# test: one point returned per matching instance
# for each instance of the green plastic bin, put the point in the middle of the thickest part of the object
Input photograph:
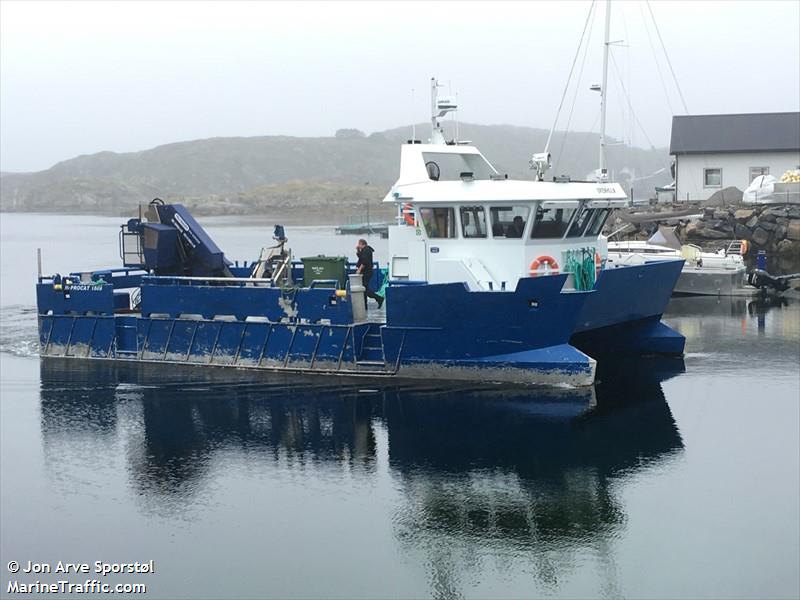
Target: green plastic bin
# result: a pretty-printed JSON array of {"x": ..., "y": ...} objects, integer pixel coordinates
[{"x": 324, "y": 267}]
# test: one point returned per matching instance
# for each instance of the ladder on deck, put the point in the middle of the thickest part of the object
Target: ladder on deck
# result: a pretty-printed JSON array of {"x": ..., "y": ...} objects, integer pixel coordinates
[{"x": 372, "y": 358}]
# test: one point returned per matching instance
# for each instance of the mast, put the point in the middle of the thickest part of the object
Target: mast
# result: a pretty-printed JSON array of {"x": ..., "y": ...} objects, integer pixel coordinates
[
  {"x": 436, "y": 131},
  {"x": 439, "y": 108},
  {"x": 603, "y": 171}
]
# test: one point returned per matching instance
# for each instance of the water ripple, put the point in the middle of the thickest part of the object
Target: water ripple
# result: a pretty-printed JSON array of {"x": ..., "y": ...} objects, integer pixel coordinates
[{"x": 18, "y": 331}]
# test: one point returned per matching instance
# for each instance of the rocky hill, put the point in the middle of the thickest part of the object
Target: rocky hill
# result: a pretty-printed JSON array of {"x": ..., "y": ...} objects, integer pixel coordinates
[{"x": 243, "y": 175}]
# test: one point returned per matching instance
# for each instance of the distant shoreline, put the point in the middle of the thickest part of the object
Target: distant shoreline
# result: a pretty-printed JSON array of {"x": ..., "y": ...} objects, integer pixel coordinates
[{"x": 331, "y": 215}]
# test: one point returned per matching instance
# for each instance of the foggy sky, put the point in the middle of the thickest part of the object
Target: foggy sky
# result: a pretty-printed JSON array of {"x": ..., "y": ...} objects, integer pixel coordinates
[{"x": 79, "y": 78}]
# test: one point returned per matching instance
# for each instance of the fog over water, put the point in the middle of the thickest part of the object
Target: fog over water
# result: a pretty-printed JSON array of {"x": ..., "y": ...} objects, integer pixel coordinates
[{"x": 78, "y": 78}]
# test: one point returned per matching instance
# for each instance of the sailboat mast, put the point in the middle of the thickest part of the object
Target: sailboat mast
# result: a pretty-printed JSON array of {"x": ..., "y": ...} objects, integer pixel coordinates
[{"x": 603, "y": 171}]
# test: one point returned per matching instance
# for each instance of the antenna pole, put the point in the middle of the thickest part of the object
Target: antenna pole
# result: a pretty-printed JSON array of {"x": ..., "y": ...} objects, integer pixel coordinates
[
  {"x": 413, "y": 119},
  {"x": 455, "y": 116},
  {"x": 434, "y": 94},
  {"x": 603, "y": 171}
]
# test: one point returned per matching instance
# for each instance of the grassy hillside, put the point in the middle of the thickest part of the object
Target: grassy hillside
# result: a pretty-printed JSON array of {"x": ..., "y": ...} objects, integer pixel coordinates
[{"x": 243, "y": 175}]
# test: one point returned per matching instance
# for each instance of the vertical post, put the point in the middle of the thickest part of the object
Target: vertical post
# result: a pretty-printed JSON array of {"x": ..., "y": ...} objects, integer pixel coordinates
[
  {"x": 413, "y": 119},
  {"x": 761, "y": 260},
  {"x": 603, "y": 94},
  {"x": 39, "y": 262},
  {"x": 434, "y": 92}
]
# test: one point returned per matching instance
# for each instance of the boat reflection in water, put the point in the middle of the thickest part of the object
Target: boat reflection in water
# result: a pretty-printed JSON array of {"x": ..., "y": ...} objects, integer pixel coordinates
[{"x": 528, "y": 471}]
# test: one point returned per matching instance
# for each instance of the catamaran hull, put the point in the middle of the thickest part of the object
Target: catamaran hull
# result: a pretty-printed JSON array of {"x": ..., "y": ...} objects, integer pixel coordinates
[
  {"x": 432, "y": 331},
  {"x": 313, "y": 350},
  {"x": 623, "y": 316}
]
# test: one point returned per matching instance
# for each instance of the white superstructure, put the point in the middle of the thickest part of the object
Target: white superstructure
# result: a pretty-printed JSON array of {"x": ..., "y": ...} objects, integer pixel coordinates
[{"x": 459, "y": 220}]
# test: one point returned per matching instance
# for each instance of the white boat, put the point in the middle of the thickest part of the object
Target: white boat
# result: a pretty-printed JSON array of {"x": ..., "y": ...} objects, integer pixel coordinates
[{"x": 721, "y": 273}]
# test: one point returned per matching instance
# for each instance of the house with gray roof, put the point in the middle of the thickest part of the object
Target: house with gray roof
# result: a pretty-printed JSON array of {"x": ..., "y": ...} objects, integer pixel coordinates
[{"x": 714, "y": 152}]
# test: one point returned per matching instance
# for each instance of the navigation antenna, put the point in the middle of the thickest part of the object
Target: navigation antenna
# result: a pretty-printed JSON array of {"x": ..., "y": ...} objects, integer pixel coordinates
[
  {"x": 413, "y": 119},
  {"x": 439, "y": 108}
]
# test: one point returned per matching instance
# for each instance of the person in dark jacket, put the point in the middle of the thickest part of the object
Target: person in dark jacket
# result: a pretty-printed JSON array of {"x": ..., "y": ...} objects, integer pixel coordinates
[{"x": 364, "y": 266}]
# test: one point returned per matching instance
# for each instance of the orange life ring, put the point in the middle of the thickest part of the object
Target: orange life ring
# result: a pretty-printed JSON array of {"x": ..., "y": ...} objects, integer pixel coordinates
[
  {"x": 745, "y": 245},
  {"x": 547, "y": 261},
  {"x": 598, "y": 261},
  {"x": 408, "y": 214}
]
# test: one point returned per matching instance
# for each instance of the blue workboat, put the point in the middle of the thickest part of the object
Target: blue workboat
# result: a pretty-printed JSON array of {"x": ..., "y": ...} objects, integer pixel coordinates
[{"x": 489, "y": 279}]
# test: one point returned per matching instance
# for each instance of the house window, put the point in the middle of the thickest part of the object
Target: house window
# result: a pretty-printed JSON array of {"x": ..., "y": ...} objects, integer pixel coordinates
[
  {"x": 473, "y": 222},
  {"x": 439, "y": 222},
  {"x": 712, "y": 177},
  {"x": 756, "y": 171}
]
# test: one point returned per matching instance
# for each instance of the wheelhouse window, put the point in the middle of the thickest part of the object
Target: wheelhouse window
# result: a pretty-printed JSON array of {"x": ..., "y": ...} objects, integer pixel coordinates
[
  {"x": 449, "y": 166},
  {"x": 756, "y": 171},
  {"x": 439, "y": 222},
  {"x": 597, "y": 221},
  {"x": 551, "y": 222},
  {"x": 580, "y": 222},
  {"x": 473, "y": 222},
  {"x": 509, "y": 221},
  {"x": 712, "y": 177}
]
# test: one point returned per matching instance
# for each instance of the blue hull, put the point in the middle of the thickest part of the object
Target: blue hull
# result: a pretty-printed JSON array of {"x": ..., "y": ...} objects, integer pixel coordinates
[
  {"x": 442, "y": 331},
  {"x": 623, "y": 316},
  {"x": 537, "y": 334}
]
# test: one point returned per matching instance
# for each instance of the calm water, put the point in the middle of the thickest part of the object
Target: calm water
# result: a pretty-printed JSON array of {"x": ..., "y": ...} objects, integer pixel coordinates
[{"x": 668, "y": 479}]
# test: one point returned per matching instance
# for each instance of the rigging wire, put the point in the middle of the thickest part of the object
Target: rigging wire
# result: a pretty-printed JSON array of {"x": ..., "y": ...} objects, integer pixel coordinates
[
  {"x": 560, "y": 152},
  {"x": 633, "y": 114},
  {"x": 676, "y": 132},
  {"x": 655, "y": 60},
  {"x": 669, "y": 62},
  {"x": 569, "y": 77}
]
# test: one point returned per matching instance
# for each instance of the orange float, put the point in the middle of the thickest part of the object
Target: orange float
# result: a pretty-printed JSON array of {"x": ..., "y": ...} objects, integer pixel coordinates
[
  {"x": 408, "y": 214},
  {"x": 544, "y": 261}
]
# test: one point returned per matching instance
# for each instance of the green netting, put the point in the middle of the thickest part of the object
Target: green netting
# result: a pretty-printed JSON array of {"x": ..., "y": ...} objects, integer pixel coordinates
[
  {"x": 385, "y": 274},
  {"x": 581, "y": 264}
]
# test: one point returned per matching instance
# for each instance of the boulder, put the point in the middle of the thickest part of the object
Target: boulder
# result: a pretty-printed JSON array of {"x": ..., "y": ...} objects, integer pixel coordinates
[
  {"x": 721, "y": 213},
  {"x": 782, "y": 221},
  {"x": 752, "y": 221},
  {"x": 778, "y": 211},
  {"x": 768, "y": 225},
  {"x": 692, "y": 230},
  {"x": 768, "y": 216},
  {"x": 743, "y": 214},
  {"x": 713, "y": 234},
  {"x": 741, "y": 232},
  {"x": 780, "y": 232},
  {"x": 793, "y": 230},
  {"x": 788, "y": 248},
  {"x": 760, "y": 236},
  {"x": 793, "y": 212},
  {"x": 724, "y": 197}
]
